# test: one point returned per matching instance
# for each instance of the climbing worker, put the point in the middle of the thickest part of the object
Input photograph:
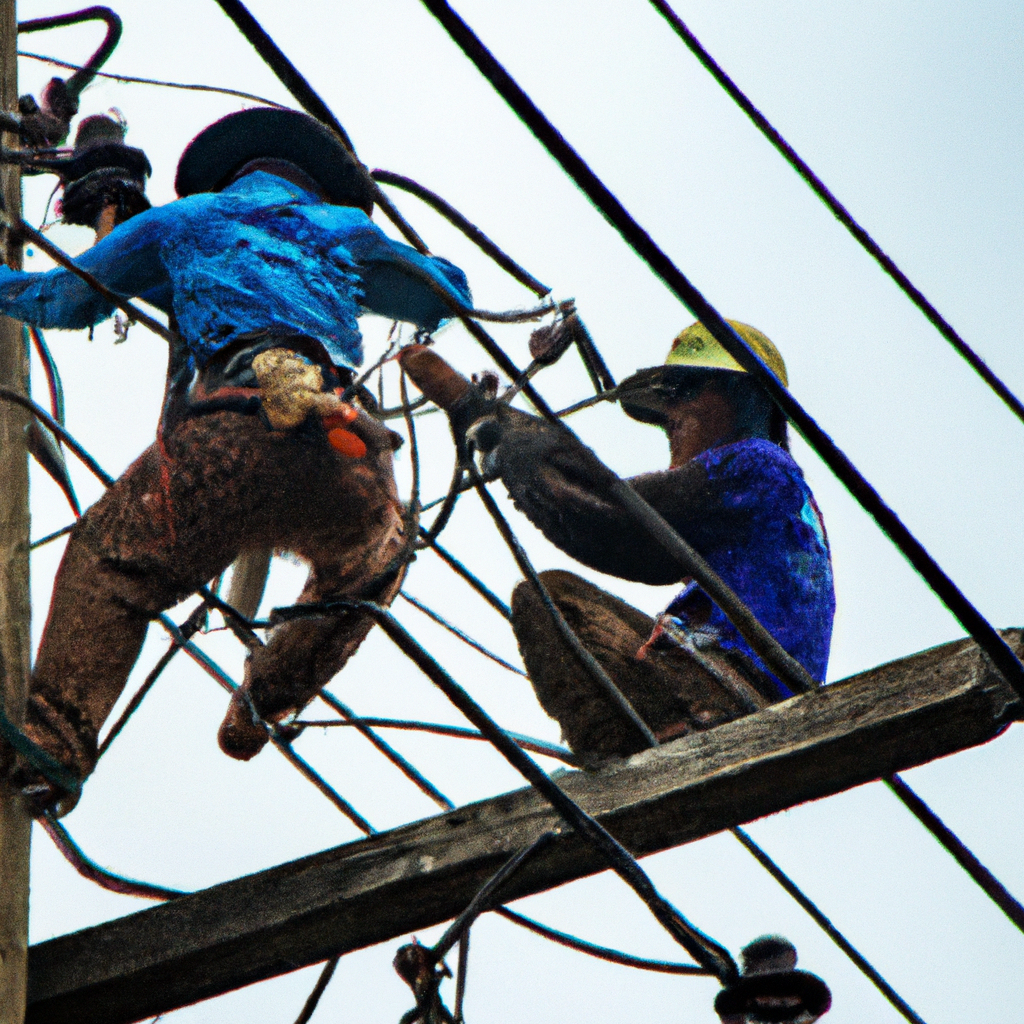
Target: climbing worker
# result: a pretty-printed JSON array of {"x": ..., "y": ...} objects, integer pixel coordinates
[
  {"x": 263, "y": 266},
  {"x": 732, "y": 490}
]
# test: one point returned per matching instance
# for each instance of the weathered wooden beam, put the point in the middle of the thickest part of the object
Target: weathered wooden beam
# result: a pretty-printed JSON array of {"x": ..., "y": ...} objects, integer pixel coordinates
[
  {"x": 15, "y": 612},
  {"x": 891, "y": 718}
]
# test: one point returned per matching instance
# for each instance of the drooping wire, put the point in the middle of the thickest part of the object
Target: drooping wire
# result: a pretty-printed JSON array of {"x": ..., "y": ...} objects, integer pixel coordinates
[
  {"x": 467, "y": 227},
  {"x": 455, "y": 631},
  {"x": 600, "y": 952},
  {"x": 839, "y": 211},
  {"x": 132, "y": 79},
  {"x": 89, "y": 869}
]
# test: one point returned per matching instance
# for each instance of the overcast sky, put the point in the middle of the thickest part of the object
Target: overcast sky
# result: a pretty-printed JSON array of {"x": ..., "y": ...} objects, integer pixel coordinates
[{"x": 912, "y": 112}]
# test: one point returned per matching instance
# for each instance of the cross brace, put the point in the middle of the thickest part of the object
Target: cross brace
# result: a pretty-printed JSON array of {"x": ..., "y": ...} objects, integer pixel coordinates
[{"x": 868, "y": 726}]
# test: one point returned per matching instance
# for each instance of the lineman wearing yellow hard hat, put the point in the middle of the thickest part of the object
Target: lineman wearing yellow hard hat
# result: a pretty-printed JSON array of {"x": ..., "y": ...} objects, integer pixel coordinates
[{"x": 732, "y": 490}]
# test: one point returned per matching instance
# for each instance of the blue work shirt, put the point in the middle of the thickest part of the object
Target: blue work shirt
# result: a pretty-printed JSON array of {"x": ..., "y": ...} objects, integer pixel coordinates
[
  {"x": 260, "y": 255},
  {"x": 773, "y": 552}
]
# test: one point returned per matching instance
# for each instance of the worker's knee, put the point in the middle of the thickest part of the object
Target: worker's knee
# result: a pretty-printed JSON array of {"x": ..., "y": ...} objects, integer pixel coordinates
[{"x": 557, "y": 582}]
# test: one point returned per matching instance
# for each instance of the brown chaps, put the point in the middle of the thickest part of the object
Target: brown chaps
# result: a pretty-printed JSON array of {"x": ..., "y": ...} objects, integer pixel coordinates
[
  {"x": 215, "y": 486},
  {"x": 674, "y": 691}
]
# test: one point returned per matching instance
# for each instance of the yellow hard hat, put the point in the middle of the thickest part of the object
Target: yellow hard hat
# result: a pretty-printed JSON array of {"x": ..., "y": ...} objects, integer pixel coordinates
[
  {"x": 696, "y": 346},
  {"x": 646, "y": 395}
]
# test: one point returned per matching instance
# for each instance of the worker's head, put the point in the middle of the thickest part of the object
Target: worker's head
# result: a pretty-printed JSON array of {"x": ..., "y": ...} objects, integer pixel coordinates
[
  {"x": 700, "y": 382},
  {"x": 104, "y": 180},
  {"x": 287, "y": 143}
]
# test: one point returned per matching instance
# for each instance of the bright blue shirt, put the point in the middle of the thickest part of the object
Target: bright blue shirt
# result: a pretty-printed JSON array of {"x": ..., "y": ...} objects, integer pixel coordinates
[
  {"x": 261, "y": 255},
  {"x": 774, "y": 554}
]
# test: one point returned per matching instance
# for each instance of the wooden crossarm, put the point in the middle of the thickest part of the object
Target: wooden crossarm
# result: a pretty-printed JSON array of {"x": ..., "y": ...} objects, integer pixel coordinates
[{"x": 888, "y": 719}]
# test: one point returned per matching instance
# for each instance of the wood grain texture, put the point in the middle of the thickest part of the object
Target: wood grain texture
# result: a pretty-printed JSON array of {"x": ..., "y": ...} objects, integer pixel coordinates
[
  {"x": 15, "y": 613},
  {"x": 896, "y": 716}
]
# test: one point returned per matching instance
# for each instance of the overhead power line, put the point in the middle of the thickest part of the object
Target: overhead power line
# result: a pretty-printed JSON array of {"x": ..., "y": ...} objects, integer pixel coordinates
[{"x": 839, "y": 211}]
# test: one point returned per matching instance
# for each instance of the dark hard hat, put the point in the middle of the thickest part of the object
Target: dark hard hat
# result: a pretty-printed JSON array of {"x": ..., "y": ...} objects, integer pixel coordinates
[{"x": 220, "y": 150}]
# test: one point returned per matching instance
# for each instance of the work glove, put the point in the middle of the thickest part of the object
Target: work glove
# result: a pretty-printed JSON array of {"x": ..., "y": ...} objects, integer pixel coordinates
[{"x": 467, "y": 403}]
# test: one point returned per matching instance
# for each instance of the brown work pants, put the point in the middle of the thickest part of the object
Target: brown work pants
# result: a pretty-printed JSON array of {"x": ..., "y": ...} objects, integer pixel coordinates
[
  {"x": 216, "y": 485},
  {"x": 670, "y": 689}
]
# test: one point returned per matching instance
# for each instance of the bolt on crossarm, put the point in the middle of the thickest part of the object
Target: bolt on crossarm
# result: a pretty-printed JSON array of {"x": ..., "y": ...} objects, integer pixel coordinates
[{"x": 15, "y": 823}]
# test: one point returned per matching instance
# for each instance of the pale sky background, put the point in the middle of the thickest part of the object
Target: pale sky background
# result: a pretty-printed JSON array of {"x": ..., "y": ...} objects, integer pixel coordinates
[{"x": 912, "y": 112}]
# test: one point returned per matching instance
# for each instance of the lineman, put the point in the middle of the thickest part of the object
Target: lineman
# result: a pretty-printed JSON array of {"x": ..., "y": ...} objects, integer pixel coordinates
[
  {"x": 263, "y": 265},
  {"x": 732, "y": 490}
]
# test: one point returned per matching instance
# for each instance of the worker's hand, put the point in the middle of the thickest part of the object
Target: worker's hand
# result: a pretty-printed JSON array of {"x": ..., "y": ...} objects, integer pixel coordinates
[{"x": 464, "y": 401}]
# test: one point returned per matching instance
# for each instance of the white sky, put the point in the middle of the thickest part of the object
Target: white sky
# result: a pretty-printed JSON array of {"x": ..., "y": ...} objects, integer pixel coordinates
[{"x": 912, "y": 112}]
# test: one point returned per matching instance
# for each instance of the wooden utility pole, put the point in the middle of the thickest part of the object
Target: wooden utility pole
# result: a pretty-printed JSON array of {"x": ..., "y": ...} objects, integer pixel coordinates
[{"x": 15, "y": 824}]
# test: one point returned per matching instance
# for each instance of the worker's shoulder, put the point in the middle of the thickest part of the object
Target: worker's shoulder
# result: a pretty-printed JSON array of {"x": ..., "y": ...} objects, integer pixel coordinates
[{"x": 752, "y": 458}]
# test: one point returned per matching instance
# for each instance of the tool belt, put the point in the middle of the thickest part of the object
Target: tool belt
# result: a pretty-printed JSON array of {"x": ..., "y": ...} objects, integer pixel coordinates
[{"x": 229, "y": 383}]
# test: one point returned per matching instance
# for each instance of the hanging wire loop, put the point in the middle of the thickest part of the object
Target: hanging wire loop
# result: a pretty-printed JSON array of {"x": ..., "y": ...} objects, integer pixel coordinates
[
  {"x": 87, "y": 72},
  {"x": 467, "y": 227}
]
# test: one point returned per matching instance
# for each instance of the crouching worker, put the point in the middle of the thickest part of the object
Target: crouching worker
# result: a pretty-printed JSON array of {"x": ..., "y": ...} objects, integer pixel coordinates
[
  {"x": 732, "y": 490},
  {"x": 264, "y": 265}
]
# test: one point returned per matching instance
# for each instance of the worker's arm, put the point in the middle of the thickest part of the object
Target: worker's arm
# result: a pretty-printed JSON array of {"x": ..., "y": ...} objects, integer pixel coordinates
[
  {"x": 127, "y": 261},
  {"x": 395, "y": 280},
  {"x": 556, "y": 482},
  {"x": 551, "y": 477}
]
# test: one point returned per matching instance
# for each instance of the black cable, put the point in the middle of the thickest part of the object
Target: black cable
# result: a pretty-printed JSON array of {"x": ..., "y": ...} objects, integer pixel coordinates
[
  {"x": 85, "y": 74},
  {"x": 826, "y": 925},
  {"x": 984, "y": 878},
  {"x": 455, "y": 631},
  {"x": 466, "y": 226},
  {"x": 580, "y": 653},
  {"x": 477, "y": 584},
  {"x": 318, "y": 990},
  {"x": 838, "y": 210},
  {"x": 487, "y": 894},
  {"x": 644, "y": 246}
]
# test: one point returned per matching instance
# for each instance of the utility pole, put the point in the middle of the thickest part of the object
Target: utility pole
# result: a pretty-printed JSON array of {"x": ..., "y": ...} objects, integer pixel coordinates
[{"x": 15, "y": 613}]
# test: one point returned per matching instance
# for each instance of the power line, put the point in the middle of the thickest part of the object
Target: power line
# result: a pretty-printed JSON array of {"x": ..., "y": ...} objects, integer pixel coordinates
[
  {"x": 839, "y": 211},
  {"x": 133, "y": 79},
  {"x": 827, "y": 926}
]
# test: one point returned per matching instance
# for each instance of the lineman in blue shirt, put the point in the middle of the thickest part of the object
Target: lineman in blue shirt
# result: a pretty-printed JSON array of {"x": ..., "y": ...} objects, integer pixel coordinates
[
  {"x": 263, "y": 265},
  {"x": 732, "y": 490}
]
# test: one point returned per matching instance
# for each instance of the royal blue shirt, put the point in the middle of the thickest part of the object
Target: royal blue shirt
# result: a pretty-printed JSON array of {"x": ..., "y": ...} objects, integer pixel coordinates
[
  {"x": 745, "y": 507},
  {"x": 775, "y": 556},
  {"x": 261, "y": 255}
]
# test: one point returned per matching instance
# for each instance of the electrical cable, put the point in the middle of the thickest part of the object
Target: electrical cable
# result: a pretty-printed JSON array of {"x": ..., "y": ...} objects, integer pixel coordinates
[
  {"x": 134, "y": 80},
  {"x": 826, "y": 926},
  {"x": 466, "y": 226},
  {"x": 455, "y": 631},
  {"x": 313, "y": 1001},
  {"x": 839, "y": 211}
]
